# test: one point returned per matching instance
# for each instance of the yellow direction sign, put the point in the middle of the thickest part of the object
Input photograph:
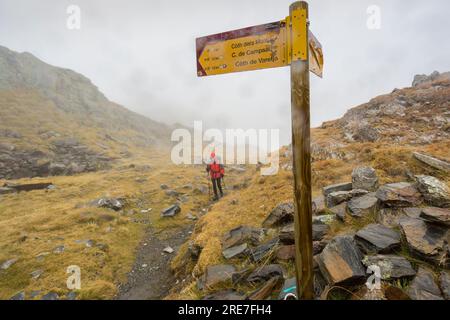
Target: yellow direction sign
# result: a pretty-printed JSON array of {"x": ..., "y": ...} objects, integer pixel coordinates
[
  {"x": 265, "y": 46},
  {"x": 253, "y": 48}
]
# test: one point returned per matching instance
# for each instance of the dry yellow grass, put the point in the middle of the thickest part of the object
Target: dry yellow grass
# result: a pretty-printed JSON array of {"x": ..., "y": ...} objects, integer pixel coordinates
[{"x": 36, "y": 222}]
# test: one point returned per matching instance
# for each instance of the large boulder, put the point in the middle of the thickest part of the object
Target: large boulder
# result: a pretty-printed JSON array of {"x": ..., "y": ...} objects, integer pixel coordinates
[
  {"x": 436, "y": 215},
  {"x": 365, "y": 178},
  {"x": 363, "y": 206},
  {"x": 240, "y": 235},
  {"x": 400, "y": 194},
  {"x": 423, "y": 287},
  {"x": 340, "y": 262},
  {"x": 435, "y": 192},
  {"x": 347, "y": 186},
  {"x": 377, "y": 238},
  {"x": 216, "y": 275},
  {"x": 391, "y": 266},
  {"x": 432, "y": 162},
  {"x": 280, "y": 215},
  {"x": 426, "y": 241}
]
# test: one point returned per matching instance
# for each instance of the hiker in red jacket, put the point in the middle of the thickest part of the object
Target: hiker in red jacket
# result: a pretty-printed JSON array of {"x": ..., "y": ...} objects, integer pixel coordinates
[{"x": 217, "y": 171}]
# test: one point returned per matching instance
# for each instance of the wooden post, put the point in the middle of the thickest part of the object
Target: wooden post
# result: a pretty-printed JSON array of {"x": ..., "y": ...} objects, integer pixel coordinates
[{"x": 301, "y": 149}]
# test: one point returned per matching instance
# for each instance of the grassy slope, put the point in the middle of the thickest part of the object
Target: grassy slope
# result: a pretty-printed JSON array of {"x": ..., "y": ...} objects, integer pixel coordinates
[{"x": 59, "y": 217}]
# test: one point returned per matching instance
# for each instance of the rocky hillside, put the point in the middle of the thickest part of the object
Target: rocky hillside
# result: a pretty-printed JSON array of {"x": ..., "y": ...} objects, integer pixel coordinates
[
  {"x": 55, "y": 121},
  {"x": 381, "y": 177}
]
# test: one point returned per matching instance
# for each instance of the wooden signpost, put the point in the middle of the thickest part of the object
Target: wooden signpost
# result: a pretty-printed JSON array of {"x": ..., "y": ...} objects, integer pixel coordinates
[{"x": 272, "y": 45}]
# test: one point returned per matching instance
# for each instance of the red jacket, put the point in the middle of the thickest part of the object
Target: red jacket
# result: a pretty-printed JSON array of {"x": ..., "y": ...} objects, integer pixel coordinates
[{"x": 215, "y": 169}]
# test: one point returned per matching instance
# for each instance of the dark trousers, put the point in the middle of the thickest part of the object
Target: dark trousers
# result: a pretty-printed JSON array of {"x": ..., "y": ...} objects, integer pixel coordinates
[{"x": 217, "y": 184}]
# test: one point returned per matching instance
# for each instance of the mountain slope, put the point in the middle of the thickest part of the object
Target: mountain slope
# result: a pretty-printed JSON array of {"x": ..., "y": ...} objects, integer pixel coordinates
[
  {"x": 383, "y": 133},
  {"x": 47, "y": 112}
]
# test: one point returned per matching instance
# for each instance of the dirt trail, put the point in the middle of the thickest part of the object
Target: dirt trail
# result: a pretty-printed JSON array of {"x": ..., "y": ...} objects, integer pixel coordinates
[{"x": 151, "y": 277}]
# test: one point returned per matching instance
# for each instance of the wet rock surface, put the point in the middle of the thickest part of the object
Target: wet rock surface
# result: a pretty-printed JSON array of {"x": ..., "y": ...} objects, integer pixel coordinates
[
  {"x": 434, "y": 191},
  {"x": 378, "y": 238},
  {"x": 391, "y": 266},
  {"x": 400, "y": 194},
  {"x": 340, "y": 262},
  {"x": 363, "y": 206},
  {"x": 426, "y": 241},
  {"x": 365, "y": 178},
  {"x": 424, "y": 287},
  {"x": 282, "y": 214}
]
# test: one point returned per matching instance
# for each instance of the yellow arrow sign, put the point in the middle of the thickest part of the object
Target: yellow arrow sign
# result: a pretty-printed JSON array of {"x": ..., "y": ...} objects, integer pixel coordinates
[
  {"x": 265, "y": 46},
  {"x": 247, "y": 49}
]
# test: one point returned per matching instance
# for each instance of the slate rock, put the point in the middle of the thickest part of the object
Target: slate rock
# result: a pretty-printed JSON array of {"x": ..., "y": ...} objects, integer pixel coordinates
[
  {"x": 438, "y": 216},
  {"x": 289, "y": 290},
  {"x": 18, "y": 296},
  {"x": 318, "y": 246},
  {"x": 216, "y": 275},
  {"x": 340, "y": 262},
  {"x": 59, "y": 249},
  {"x": 240, "y": 235},
  {"x": 426, "y": 241},
  {"x": 319, "y": 231},
  {"x": 412, "y": 212},
  {"x": 262, "y": 251},
  {"x": 286, "y": 253},
  {"x": 265, "y": 273},
  {"x": 400, "y": 194},
  {"x": 36, "y": 274},
  {"x": 5, "y": 190},
  {"x": 318, "y": 205},
  {"x": 376, "y": 238},
  {"x": 395, "y": 294},
  {"x": 171, "y": 211},
  {"x": 390, "y": 217},
  {"x": 194, "y": 250},
  {"x": 226, "y": 295},
  {"x": 365, "y": 178},
  {"x": 110, "y": 203},
  {"x": 7, "y": 264},
  {"x": 423, "y": 287},
  {"x": 50, "y": 296},
  {"x": 280, "y": 215},
  {"x": 71, "y": 295},
  {"x": 266, "y": 290},
  {"x": 236, "y": 252},
  {"x": 391, "y": 266},
  {"x": 340, "y": 211},
  {"x": 336, "y": 198},
  {"x": 337, "y": 187},
  {"x": 435, "y": 192},
  {"x": 287, "y": 234},
  {"x": 432, "y": 162},
  {"x": 444, "y": 280},
  {"x": 362, "y": 206}
]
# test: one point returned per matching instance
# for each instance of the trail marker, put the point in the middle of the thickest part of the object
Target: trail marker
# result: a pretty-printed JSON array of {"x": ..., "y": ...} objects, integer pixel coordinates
[{"x": 272, "y": 45}]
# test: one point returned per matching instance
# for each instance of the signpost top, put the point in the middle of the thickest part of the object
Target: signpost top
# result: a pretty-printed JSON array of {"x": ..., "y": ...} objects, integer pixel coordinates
[{"x": 269, "y": 45}]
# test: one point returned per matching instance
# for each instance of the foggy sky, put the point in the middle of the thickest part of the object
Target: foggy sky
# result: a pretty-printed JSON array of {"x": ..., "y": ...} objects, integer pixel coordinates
[{"x": 141, "y": 54}]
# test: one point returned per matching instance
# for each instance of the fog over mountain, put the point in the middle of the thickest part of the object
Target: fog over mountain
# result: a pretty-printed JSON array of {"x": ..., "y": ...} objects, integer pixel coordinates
[{"x": 141, "y": 54}]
